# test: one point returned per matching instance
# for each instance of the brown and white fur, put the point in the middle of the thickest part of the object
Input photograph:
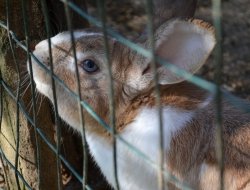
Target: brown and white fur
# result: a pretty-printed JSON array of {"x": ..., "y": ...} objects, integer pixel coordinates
[{"x": 189, "y": 115}]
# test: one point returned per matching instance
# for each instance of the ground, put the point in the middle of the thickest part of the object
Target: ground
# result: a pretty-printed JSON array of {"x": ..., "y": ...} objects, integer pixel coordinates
[{"x": 236, "y": 46}]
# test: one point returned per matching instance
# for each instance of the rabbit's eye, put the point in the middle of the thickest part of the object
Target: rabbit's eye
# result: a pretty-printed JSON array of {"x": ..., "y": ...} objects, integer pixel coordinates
[{"x": 89, "y": 66}]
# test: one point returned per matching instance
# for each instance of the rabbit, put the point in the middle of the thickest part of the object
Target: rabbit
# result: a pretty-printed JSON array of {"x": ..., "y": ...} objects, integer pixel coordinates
[{"x": 188, "y": 112}]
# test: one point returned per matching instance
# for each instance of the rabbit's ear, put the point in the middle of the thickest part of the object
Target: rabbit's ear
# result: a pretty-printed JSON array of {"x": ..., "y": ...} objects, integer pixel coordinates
[{"x": 185, "y": 44}]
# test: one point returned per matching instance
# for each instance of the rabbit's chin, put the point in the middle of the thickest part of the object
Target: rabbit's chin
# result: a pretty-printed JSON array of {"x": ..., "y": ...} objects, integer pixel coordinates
[
  {"x": 43, "y": 88},
  {"x": 65, "y": 113}
]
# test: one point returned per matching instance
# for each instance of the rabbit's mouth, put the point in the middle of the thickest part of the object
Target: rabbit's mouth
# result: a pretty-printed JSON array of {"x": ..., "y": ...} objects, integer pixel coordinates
[{"x": 41, "y": 85}]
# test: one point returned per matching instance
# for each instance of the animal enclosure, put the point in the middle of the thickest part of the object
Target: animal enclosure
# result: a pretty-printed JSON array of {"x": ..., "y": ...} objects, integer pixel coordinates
[{"x": 35, "y": 145}]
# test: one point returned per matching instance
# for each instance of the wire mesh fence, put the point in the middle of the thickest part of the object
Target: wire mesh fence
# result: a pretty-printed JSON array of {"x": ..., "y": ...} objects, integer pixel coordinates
[{"x": 40, "y": 136}]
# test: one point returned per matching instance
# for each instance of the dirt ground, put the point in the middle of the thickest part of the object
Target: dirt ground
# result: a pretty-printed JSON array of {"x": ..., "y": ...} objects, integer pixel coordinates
[{"x": 236, "y": 45}]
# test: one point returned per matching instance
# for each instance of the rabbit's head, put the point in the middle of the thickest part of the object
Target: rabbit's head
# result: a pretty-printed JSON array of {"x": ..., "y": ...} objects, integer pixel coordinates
[{"x": 186, "y": 44}]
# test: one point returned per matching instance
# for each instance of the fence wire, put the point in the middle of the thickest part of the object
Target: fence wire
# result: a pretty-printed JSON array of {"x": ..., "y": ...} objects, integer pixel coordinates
[
  {"x": 107, "y": 31},
  {"x": 102, "y": 15},
  {"x": 58, "y": 129},
  {"x": 85, "y": 160},
  {"x": 34, "y": 108},
  {"x": 216, "y": 12}
]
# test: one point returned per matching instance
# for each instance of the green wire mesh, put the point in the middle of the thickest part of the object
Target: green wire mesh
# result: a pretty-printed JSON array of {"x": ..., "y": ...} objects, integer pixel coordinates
[{"x": 209, "y": 86}]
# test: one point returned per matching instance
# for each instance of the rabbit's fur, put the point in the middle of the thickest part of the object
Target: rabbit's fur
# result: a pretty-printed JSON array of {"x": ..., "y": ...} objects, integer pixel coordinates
[{"x": 189, "y": 114}]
